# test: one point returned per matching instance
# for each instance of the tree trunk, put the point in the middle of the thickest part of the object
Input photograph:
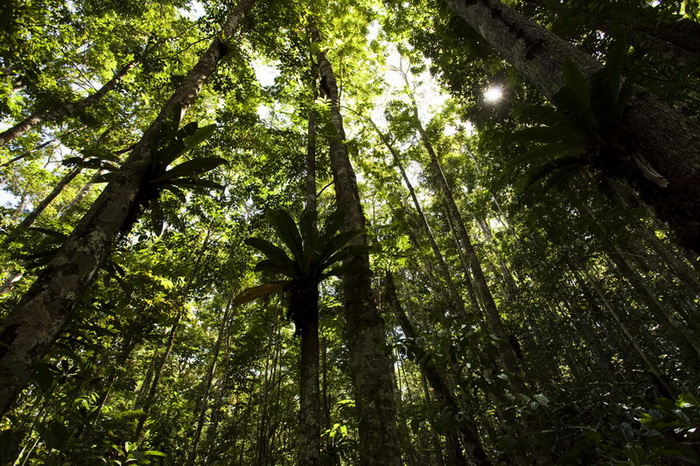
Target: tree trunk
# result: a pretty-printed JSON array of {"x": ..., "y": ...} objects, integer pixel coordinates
[
  {"x": 493, "y": 317},
  {"x": 66, "y": 109},
  {"x": 443, "y": 393},
  {"x": 309, "y": 395},
  {"x": 309, "y": 409},
  {"x": 150, "y": 398},
  {"x": 32, "y": 327},
  {"x": 40, "y": 207},
  {"x": 441, "y": 264},
  {"x": 660, "y": 138},
  {"x": 369, "y": 356}
]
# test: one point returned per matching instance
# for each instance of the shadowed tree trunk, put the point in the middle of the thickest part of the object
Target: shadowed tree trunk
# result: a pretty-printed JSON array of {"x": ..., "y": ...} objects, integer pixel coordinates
[
  {"x": 370, "y": 362},
  {"x": 27, "y": 333},
  {"x": 659, "y": 138}
]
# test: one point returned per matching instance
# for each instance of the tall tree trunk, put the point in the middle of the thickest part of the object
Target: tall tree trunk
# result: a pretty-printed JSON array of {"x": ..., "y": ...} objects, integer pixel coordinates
[
  {"x": 309, "y": 395},
  {"x": 492, "y": 315},
  {"x": 158, "y": 373},
  {"x": 441, "y": 264},
  {"x": 670, "y": 37},
  {"x": 661, "y": 139},
  {"x": 40, "y": 207},
  {"x": 310, "y": 408},
  {"x": 443, "y": 393},
  {"x": 36, "y": 322},
  {"x": 370, "y": 362},
  {"x": 66, "y": 109}
]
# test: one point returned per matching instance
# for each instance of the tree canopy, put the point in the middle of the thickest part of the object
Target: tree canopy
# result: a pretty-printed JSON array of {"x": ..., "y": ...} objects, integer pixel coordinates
[{"x": 439, "y": 232}]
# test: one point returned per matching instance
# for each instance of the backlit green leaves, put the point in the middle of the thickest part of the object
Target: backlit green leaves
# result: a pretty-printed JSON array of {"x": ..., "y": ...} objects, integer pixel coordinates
[{"x": 310, "y": 256}]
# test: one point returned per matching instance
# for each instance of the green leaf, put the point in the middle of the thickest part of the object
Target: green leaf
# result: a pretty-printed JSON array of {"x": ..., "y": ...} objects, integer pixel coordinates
[
  {"x": 613, "y": 66},
  {"x": 556, "y": 164},
  {"x": 269, "y": 249},
  {"x": 255, "y": 292},
  {"x": 549, "y": 134},
  {"x": 332, "y": 224},
  {"x": 192, "y": 167},
  {"x": 543, "y": 114},
  {"x": 195, "y": 184},
  {"x": 44, "y": 377},
  {"x": 348, "y": 269},
  {"x": 54, "y": 434},
  {"x": 336, "y": 243},
  {"x": 346, "y": 253},
  {"x": 201, "y": 135},
  {"x": 286, "y": 229},
  {"x": 176, "y": 191},
  {"x": 577, "y": 82},
  {"x": 548, "y": 151},
  {"x": 272, "y": 266}
]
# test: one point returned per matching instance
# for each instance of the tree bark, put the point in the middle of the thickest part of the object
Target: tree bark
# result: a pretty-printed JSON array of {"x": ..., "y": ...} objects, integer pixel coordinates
[
  {"x": 309, "y": 405},
  {"x": 27, "y": 333},
  {"x": 370, "y": 362},
  {"x": 660, "y": 138},
  {"x": 66, "y": 109}
]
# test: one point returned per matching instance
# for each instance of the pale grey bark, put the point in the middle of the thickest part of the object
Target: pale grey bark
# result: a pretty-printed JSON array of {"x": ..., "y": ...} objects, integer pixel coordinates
[
  {"x": 369, "y": 356},
  {"x": 309, "y": 394},
  {"x": 27, "y": 333}
]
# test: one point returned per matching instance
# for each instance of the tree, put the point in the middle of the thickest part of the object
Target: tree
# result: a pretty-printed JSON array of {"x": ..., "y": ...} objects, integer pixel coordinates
[
  {"x": 659, "y": 140},
  {"x": 44, "y": 309},
  {"x": 365, "y": 329},
  {"x": 493, "y": 253}
]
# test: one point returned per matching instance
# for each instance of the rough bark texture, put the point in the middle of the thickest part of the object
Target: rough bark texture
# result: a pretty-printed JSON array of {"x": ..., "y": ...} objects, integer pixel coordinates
[
  {"x": 310, "y": 408},
  {"x": 309, "y": 394},
  {"x": 443, "y": 392},
  {"x": 369, "y": 355},
  {"x": 27, "y": 333},
  {"x": 64, "y": 110},
  {"x": 657, "y": 135}
]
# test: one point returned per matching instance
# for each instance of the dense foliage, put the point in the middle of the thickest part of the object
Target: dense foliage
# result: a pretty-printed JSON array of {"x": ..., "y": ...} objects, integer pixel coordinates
[{"x": 536, "y": 309}]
